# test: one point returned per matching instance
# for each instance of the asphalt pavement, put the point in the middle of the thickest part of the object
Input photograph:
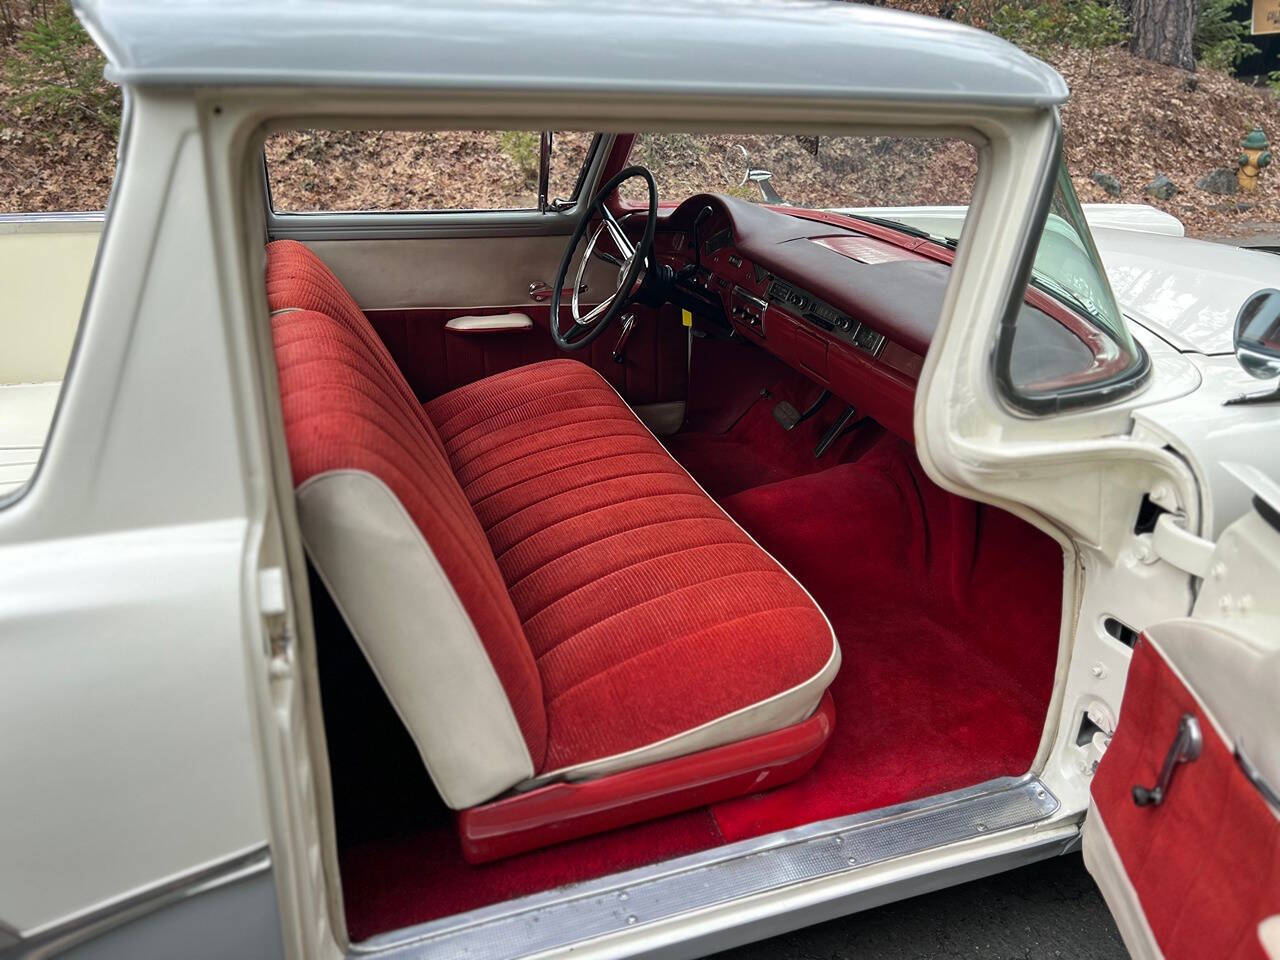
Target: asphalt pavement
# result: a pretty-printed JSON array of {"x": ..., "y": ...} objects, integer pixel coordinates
[{"x": 1050, "y": 909}]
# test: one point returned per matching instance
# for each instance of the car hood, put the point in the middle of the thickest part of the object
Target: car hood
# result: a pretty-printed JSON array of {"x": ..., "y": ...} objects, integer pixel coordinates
[{"x": 1185, "y": 291}]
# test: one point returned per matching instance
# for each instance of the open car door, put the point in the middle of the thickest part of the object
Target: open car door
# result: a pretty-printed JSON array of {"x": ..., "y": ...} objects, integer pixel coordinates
[
  {"x": 1172, "y": 748},
  {"x": 1183, "y": 828}
]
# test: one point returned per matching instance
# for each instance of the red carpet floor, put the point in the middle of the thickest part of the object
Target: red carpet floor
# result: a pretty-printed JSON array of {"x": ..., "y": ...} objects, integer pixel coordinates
[{"x": 947, "y": 613}]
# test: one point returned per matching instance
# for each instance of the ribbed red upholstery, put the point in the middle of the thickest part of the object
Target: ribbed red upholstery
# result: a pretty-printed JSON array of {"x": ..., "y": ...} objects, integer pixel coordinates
[
  {"x": 347, "y": 407},
  {"x": 649, "y": 611},
  {"x": 619, "y": 605}
]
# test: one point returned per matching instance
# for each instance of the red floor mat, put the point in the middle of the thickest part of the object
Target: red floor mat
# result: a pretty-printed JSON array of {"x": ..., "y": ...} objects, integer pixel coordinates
[
  {"x": 947, "y": 613},
  {"x": 949, "y": 633}
]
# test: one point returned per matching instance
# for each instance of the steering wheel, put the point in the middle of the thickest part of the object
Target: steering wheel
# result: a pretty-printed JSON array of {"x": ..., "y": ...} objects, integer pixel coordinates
[{"x": 634, "y": 259}]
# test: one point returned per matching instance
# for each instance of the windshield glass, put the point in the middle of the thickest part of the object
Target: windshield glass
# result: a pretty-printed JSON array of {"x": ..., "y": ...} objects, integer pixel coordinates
[{"x": 1070, "y": 339}]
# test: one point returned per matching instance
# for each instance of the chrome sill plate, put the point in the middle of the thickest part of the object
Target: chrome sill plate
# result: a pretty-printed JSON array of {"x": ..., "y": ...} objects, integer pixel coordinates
[{"x": 559, "y": 918}]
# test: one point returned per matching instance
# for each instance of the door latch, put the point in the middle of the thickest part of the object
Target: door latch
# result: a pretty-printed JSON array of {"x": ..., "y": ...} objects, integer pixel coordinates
[
  {"x": 1184, "y": 749},
  {"x": 273, "y": 604}
]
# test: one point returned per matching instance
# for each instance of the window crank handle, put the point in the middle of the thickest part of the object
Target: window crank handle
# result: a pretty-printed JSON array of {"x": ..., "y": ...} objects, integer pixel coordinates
[{"x": 1185, "y": 748}]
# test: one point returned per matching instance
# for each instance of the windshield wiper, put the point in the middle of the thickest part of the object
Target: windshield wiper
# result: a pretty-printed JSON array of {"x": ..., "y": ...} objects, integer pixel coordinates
[{"x": 906, "y": 228}]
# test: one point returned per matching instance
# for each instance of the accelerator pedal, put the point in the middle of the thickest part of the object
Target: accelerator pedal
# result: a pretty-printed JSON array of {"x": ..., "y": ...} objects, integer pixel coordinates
[
  {"x": 835, "y": 431},
  {"x": 788, "y": 416}
]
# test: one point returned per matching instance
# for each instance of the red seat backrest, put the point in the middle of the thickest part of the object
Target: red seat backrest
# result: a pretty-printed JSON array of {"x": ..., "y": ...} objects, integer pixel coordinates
[{"x": 347, "y": 407}]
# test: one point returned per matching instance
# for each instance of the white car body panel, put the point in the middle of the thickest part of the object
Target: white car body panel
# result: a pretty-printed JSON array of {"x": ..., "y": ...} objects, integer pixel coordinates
[
  {"x": 1186, "y": 290},
  {"x": 130, "y": 644},
  {"x": 121, "y": 781}
]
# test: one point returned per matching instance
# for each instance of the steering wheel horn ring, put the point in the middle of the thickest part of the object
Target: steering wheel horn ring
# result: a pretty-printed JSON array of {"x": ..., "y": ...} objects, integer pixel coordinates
[{"x": 634, "y": 261}]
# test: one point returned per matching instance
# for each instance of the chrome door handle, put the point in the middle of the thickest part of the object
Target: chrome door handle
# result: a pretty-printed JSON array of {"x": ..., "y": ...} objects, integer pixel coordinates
[
  {"x": 1185, "y": 748},
  {"x": 541, "y": 291}
]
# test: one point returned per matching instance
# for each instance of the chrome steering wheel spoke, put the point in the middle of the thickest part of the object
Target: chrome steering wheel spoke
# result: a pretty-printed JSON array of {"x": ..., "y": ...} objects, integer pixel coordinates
[{"x": 633, "y": 261}]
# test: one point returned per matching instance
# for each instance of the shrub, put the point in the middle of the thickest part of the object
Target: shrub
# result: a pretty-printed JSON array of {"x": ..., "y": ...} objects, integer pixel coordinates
[
  {"x": 523, "y": 147},
  {"x": 56, "y": 71},
  {"x": 1084, "y": 24},
  {"x": 1220, "y": 40}
]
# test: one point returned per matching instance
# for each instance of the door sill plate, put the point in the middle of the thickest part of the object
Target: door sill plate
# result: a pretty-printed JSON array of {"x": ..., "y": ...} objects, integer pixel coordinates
[{"x": 662, "y": 891}]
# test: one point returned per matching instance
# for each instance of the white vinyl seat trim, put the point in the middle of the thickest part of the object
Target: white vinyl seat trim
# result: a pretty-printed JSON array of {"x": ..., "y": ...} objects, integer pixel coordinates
[{"x": 416, "y": 635}]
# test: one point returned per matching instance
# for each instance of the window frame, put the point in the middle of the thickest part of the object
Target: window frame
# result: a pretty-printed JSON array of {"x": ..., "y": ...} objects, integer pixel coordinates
[
  {"x": 1090, "y": 394},
  {"x": 559, "y": 216}
]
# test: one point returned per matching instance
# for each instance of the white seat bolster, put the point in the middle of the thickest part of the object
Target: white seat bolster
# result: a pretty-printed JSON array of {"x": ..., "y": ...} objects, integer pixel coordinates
[{"x": 415, "y": 633}]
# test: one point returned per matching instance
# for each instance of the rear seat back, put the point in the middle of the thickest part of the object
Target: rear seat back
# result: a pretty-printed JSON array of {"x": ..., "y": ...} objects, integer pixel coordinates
[{"x": 397, "y": 543}]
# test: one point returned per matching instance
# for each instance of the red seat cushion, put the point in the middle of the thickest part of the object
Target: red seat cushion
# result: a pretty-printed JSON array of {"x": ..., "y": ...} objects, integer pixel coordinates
[
  {"x": 620, "y": 607},
  {"x": 649, "y": 612},
  {"x": 347, "y": 407}
]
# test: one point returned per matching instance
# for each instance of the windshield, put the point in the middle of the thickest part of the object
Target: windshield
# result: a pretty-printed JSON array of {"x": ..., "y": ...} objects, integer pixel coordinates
[{"x": 1070, "y": 340}]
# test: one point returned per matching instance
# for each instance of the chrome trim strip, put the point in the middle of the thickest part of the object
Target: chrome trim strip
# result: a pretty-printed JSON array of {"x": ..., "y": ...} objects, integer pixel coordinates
[
  {"x": 46, "y": 941},
  {"x": 663, "y": 891},
  {"x": 74, "y": 221},
  {"x": 56, "y": 216}
]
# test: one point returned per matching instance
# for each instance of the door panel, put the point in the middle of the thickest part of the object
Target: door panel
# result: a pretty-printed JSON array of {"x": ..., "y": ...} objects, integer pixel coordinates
[
  {"x": 1197, "y": 874},
  {"x": 410, "y": 288},
  {"x": 654, "y": 367},
  {"x": 1203, "y": 866},
  {"x": 471, "y": 271}
]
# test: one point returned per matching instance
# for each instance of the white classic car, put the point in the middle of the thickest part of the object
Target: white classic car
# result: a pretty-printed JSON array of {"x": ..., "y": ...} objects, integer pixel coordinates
[{"x": 636, "y": 568}]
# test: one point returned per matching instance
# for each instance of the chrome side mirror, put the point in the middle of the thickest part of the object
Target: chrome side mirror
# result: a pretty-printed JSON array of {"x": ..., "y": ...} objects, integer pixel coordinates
[
  {"x": 738, "y": 172},
  {"x": 1257, "y": 339},
  {"x": 1257, "y": 335}
]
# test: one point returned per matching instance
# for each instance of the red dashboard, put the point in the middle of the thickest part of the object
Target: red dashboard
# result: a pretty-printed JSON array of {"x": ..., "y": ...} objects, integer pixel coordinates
[{"x": 851, "y": 304}]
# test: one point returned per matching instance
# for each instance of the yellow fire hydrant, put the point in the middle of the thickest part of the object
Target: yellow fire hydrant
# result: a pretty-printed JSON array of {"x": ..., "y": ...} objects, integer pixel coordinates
[{"x": 1253, "y": 159}]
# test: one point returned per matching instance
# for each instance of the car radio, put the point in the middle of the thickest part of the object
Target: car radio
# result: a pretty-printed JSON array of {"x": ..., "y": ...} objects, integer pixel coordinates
[{"x": 827, "y": 317}]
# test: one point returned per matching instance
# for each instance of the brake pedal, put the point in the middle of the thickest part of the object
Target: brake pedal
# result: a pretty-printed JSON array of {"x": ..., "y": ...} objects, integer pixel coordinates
[{"x": 786, "y": 415}]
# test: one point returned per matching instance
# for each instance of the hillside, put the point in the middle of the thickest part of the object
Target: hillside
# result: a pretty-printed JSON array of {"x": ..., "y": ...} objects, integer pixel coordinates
[{"x": 1127, "y": 118}]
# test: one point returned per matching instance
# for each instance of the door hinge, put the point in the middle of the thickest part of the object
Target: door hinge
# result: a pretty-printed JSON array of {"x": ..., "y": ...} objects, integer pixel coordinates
[{"x": 1176, "y": 545}]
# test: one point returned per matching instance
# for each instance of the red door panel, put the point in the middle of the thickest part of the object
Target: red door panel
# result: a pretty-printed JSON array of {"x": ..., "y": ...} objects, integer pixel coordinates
[
  {"x": 1205, "y": 862},
  {"x": 436, "y": 360}
]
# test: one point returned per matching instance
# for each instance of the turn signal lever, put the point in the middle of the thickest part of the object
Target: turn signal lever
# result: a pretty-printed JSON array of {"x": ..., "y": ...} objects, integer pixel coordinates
[
  {"x": 620, "y": 348},
  {"x": 1185, "y": 748}
]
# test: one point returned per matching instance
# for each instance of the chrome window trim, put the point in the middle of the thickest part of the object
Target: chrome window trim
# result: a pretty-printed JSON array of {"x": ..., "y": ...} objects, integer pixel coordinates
[
  {"x": 70, "y": 220},
  {"x": 53, "y": 939},
  {"x": 558, "y": 219}
]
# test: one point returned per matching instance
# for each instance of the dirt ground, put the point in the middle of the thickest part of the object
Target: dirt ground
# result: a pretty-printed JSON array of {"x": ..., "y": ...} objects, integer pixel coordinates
[{"x": 1127, "y": 118}]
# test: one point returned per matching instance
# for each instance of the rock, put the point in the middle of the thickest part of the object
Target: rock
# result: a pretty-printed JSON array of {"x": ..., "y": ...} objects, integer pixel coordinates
[
  {"x": 1221, "y": 180},
  {"x": 1162, "y": 188},
  {"x": 1107, "y": 182}
]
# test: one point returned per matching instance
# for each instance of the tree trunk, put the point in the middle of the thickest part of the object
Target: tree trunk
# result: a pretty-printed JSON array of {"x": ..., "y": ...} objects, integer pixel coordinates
[{"x": 1163, "y": 30}]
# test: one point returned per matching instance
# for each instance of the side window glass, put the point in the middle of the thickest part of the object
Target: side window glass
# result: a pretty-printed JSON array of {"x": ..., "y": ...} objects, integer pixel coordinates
[
  {"x": 60, "y": 130},
  {"x": 332, "y": 171}
]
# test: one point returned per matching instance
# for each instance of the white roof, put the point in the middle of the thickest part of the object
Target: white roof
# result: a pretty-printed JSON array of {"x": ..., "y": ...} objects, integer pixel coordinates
[{"x": 761, "y": 48}]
